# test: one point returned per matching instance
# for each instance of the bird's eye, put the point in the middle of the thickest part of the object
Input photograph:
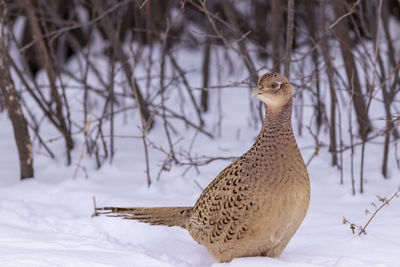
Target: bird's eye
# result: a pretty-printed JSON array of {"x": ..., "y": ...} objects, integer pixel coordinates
[{"x": 276, "y": 85}]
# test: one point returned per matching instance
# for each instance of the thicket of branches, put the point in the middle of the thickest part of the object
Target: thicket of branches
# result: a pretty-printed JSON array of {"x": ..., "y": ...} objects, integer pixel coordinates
[{"x": 41, "y": 36}]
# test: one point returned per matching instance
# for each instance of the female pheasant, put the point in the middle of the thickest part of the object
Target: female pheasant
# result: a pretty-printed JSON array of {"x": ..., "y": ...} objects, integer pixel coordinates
[{"x": 257, "y": 203}]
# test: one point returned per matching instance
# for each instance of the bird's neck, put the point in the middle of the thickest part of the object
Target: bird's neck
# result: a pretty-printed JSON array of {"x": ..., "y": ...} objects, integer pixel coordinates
[
  {"x": 278, "y": 119},
  {"x": 277, "y": 127},
  {"x": 276, "y": 136}
]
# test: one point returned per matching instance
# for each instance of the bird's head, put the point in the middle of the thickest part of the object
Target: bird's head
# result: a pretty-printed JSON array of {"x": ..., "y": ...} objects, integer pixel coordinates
[{"x": 274, "y": 90}]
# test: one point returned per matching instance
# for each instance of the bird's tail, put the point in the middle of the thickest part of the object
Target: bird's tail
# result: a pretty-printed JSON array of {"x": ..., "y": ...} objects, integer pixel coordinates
[{"x": 168, "y": 216}]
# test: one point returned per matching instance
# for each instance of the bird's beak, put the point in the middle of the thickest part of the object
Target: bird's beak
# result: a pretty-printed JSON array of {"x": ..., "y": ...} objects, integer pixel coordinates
[{"x": 256, "y": 92}]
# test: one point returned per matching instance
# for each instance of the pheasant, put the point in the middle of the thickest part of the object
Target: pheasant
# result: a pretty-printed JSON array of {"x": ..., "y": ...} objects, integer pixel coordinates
[{"x": 257, "y": 203}]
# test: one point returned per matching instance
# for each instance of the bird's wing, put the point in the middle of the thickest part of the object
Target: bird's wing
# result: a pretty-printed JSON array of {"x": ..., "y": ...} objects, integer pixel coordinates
[{"x": 222, "y": 211}]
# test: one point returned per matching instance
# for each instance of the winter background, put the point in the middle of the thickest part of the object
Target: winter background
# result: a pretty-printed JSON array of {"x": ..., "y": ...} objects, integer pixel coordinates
[{"x": 46, "y": 221}]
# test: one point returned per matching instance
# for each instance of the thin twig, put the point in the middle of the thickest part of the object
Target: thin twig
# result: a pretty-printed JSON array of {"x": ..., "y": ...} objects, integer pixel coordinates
[
  {"x": 384, "y": 202},
  {"x": 95, "y": 208},
  {"x": 86, "y": 134},
  {"x": 145, "y": 124}
]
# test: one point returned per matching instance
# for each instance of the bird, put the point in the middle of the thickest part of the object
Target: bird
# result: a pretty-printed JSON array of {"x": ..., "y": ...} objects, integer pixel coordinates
[{"x": 257, "y": 203}]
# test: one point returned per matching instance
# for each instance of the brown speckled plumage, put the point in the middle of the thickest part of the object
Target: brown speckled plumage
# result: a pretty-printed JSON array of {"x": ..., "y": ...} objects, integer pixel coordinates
[{"x": 256, "y": 204}]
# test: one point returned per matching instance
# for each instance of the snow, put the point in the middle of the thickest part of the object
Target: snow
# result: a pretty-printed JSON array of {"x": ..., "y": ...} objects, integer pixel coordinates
[{"x": 46, "y": 221}]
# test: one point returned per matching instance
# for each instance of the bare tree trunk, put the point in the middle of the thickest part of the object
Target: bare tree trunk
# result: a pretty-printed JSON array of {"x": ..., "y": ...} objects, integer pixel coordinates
[
  {"x": 276, "y": 19},
  {"x": 205, "y": 70},
  {"x": 313, "y": 31},
  {"x": 332, "y": 89},
  {"x": 43, "y": 54},
  {"x": 289, "y": 37},
  {"x": 393, "y": 59},
  {"x": 12, "y": 102},
  {"x": 387, "y": 99},
  {"x": 260, "y": 16},
  {"x": 342, "y": 32}
]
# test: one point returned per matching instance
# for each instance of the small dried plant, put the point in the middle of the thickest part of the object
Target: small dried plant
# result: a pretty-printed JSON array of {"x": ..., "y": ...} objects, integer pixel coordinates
[{"x": 382, "y": 202}]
